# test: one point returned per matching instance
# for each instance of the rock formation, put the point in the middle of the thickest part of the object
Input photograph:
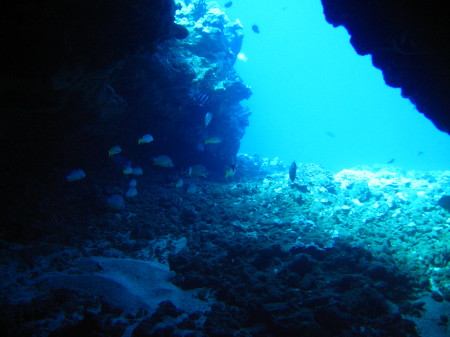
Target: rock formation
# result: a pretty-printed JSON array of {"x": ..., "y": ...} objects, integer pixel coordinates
[
  {"x": 408, "y": 42},
  {"x": 82, "y": 78}
]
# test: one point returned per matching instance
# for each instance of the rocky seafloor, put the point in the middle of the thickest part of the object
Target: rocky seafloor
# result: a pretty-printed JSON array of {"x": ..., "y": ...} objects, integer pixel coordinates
[{"x": 363, "y": 252}]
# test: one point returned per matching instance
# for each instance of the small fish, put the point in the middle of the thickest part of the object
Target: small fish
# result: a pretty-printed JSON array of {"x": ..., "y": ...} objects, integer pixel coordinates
[
  {"x": 390, "y": 161},
  {"x": 191, "y": 189},
  {"x": 330, "y": 134},
  {"x": 116, "y": 149},
  {"x": 127, "y": 170},
  {"x": 419, "y": 153},
  {"x": 75, "y": 175},
  {"x": 208, "y": 118},
  {"x": 199, "y": 97},
  {"x": 179, "y": 183},
  {"x": 163, "y": 161},
  {"x": 132, "y": 183},
  {"x": 116, "y": 202},
  {"x": 293, "y": 171},
  {"x": 228, "y": 4},
  {"x": 229, "y": 171},
  {"x": 213, "y": 140},
  {"x": 197, "y": 171},
  {"x": 147, "y": 138},
  {"x": 255, "y": 28},
  {"x": 137, "y": 171},
  {"x": 131, "y": 192}
]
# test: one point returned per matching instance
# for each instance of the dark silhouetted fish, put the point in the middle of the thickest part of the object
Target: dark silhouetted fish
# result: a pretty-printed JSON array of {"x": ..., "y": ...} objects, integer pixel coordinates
[
  {"x": 255, "y": 28},
  {"x": 391, "y": 161},
  {"x": 444, "y": 202},
  {"x": 293, "y": 171},
  {"x": 330, "y": 134},
  {"x": 228, "y": 4}
]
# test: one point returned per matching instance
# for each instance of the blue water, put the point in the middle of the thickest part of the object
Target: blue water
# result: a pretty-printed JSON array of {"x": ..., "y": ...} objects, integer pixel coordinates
[{"x": 315, "y": 100}]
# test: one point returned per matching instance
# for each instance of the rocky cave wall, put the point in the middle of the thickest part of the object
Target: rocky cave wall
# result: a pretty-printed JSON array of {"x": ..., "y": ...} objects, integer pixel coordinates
[
  {"x": 82, "y": 77},
  {"x": 408, "y": 41}
]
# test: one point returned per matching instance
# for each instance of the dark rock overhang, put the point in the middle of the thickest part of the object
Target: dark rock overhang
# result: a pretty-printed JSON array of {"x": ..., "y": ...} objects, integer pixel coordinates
[
  {"x": 408, "y": 41},
  {"x": 80, "y": 77},
  {"x": 52, "y": 49},
  {"x": 59, "y": 58}
]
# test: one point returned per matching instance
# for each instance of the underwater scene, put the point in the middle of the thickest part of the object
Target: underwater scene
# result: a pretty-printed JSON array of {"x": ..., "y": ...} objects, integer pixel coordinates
[{"x": 221, "y": 182}]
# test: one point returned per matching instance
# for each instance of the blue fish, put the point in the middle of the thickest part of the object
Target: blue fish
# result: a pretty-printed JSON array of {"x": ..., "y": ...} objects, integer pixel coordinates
[
  {"x": 131, "y": 192},
  {"x": 115, "y": 202},
  {"x": 75, "y": 175}
]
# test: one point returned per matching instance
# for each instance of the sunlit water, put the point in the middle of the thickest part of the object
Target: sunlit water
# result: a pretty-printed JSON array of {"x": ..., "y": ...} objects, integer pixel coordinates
[{"x": 315, "y": 100}]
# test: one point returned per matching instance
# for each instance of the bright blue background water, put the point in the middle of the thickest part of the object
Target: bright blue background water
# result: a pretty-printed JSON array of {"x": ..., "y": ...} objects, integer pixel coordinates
[{"x": 308, "y": 81}]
